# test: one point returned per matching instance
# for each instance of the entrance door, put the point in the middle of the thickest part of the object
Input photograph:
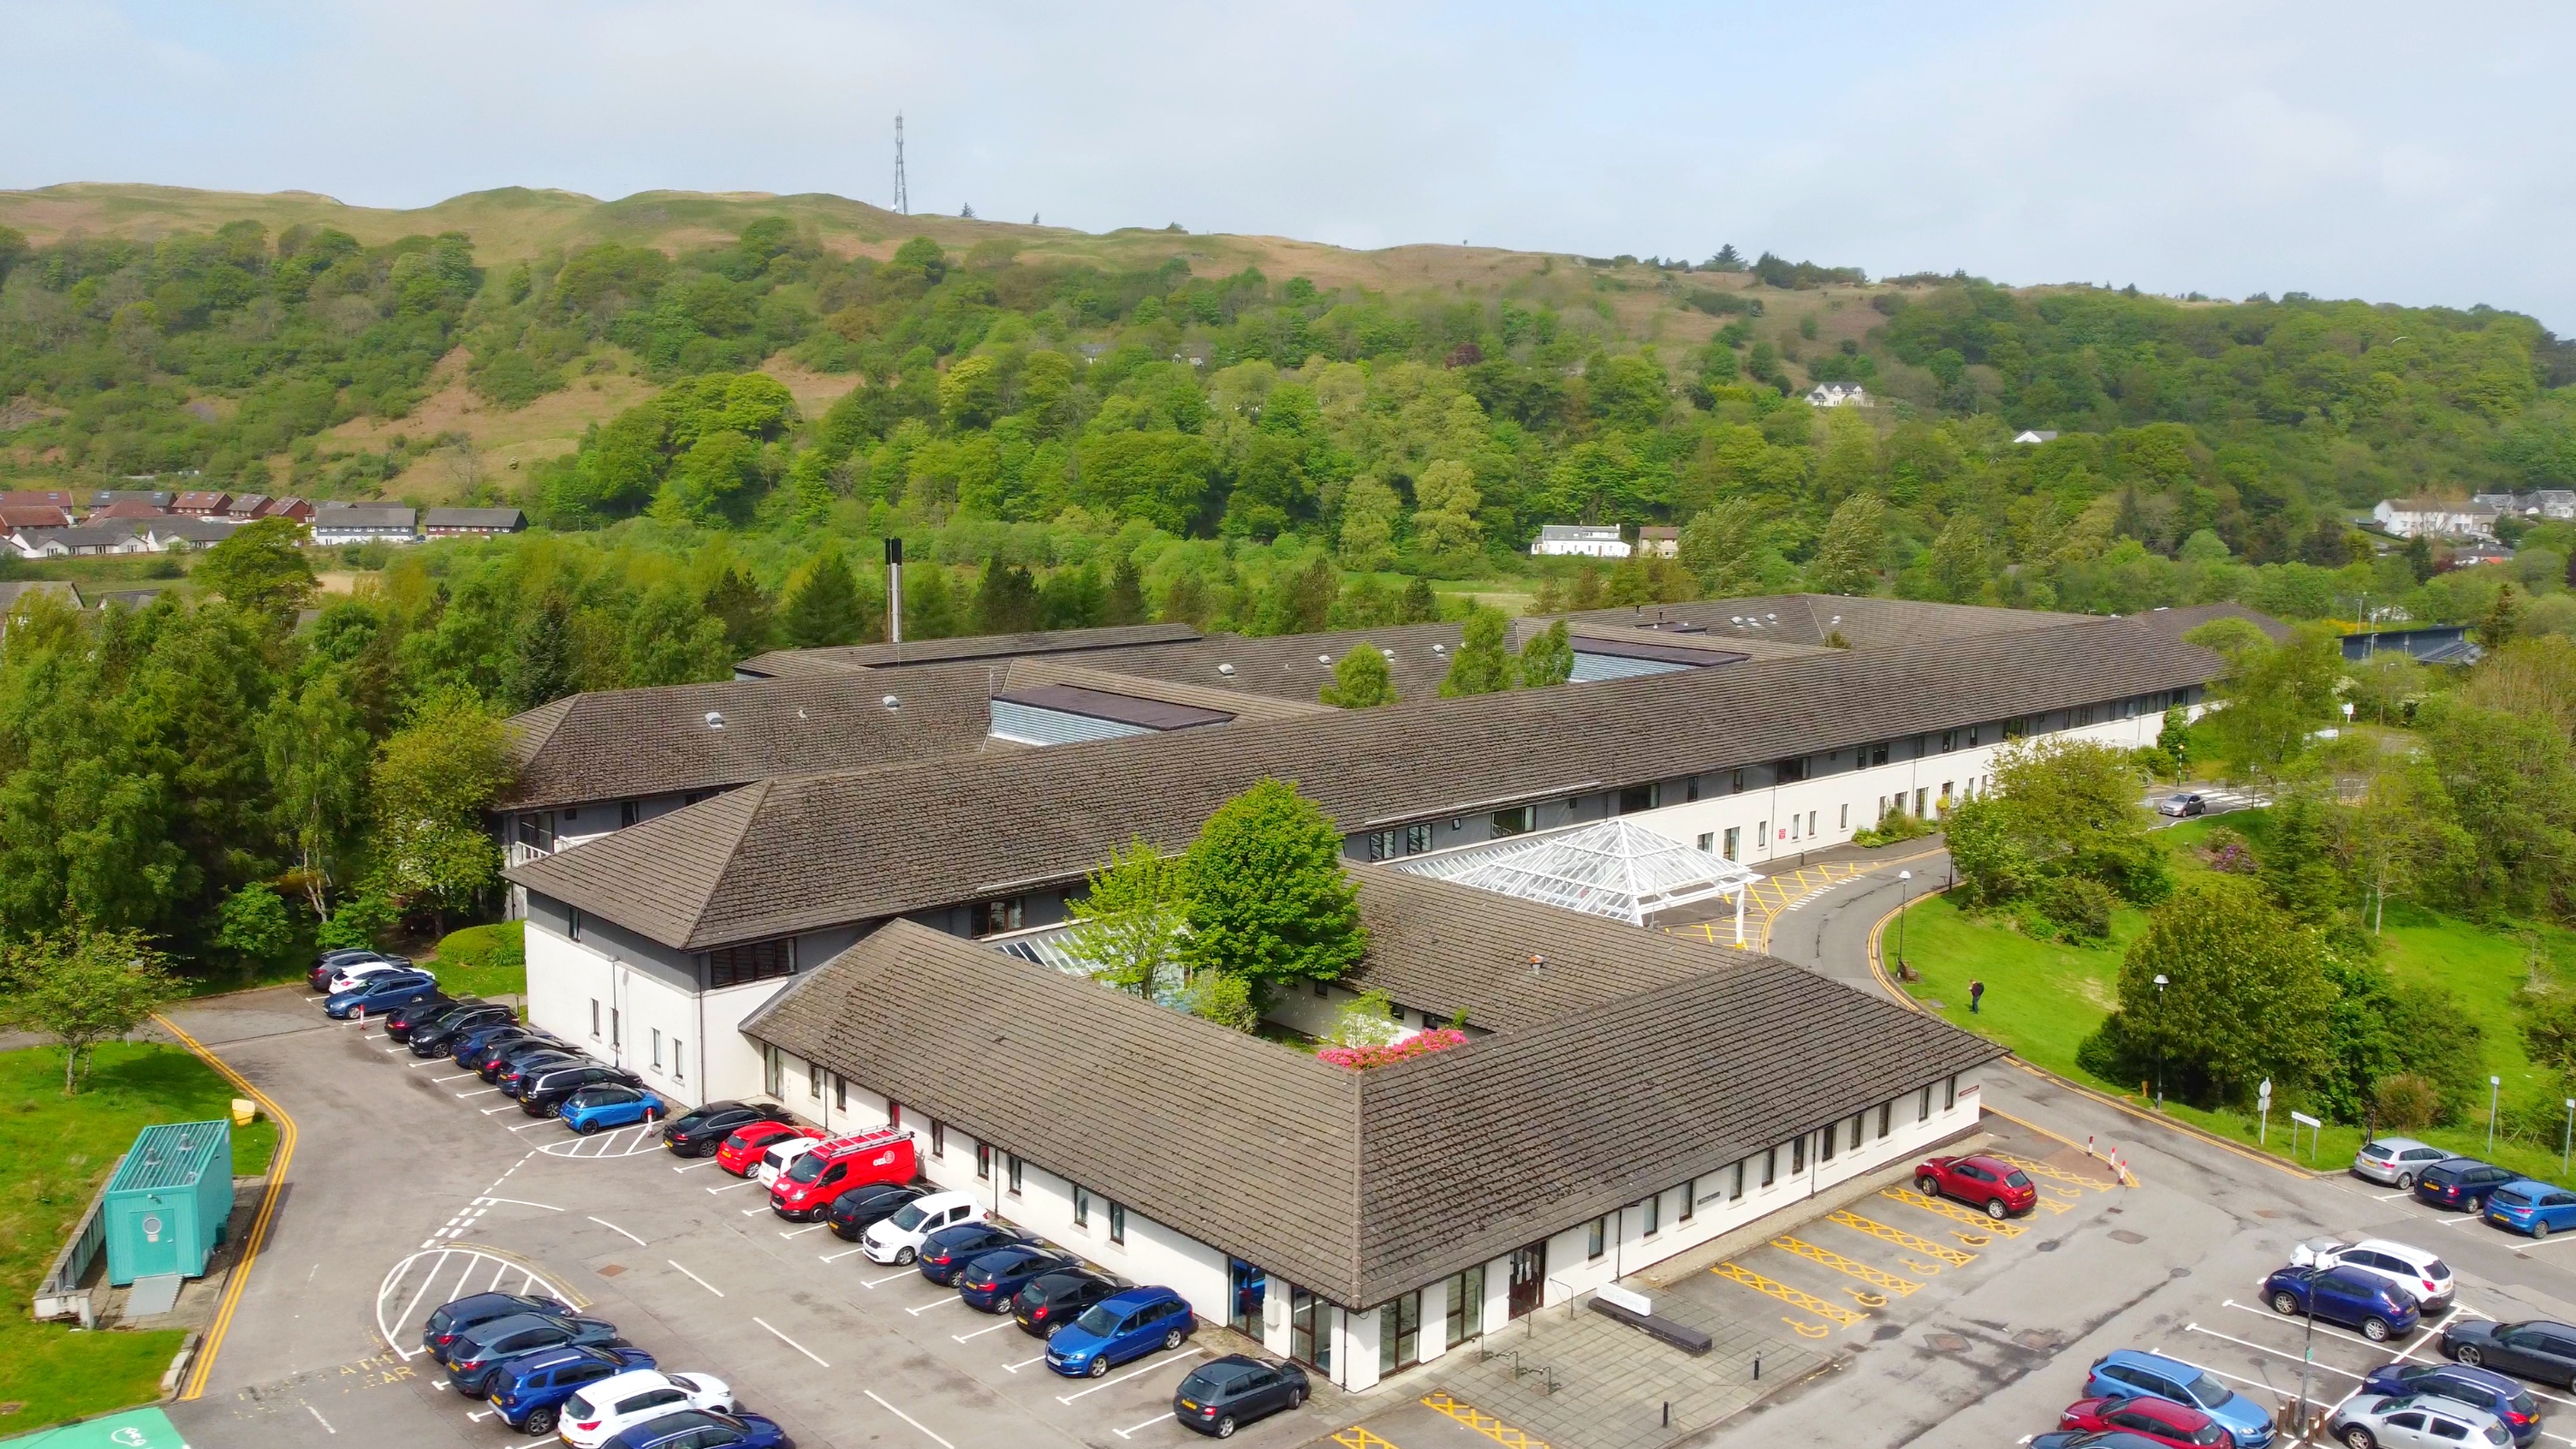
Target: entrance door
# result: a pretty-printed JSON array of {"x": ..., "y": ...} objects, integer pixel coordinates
[
  {"x": 1529, "y": 1278},
  {"x": 1249, "y": 1287}
]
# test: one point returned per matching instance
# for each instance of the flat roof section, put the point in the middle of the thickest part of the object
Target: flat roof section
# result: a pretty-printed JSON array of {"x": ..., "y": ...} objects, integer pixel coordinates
[{"x": 1128, "y": 709}]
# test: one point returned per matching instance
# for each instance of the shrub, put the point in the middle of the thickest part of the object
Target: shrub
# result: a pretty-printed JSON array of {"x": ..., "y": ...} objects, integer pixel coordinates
[
  {"x": 1420, "y": 1044},
  {"x": 2227, "y": 853},
  {"x": 2407, "y": 1102},
  {"x": 2080, "y": 909},
  {"x": 1894, "y": 826},
  {"x": 1224, "y": 998}
]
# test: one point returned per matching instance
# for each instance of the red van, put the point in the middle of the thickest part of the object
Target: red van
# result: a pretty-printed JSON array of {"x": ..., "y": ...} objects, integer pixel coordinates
[{"x": 806, "y": 1189}]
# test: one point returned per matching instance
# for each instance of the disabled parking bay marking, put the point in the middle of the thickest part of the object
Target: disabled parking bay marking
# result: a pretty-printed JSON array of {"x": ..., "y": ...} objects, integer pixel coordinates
[
  {"x": 1848, "y": 1267},
  {"x": 410, "y": 1282},
  {"x": 1187, "y": 1353},
  {"x": 1359, "y": 1437},
  {"x": 1903, "y": 1239},
  {"x": 2002, "y": 1228},
  {"x": 1794, "y": 1297}
]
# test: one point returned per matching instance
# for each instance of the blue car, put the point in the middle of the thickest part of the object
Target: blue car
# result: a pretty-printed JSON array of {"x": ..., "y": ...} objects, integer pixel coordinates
[
  {"x": 530, "y": 1390},
  {"x": 2510, "y": 1402},
  {"x": 1115, "y": 1329},
  {"x": 2532, "y": 1207},
  {"x": 991, "y": 1281},
  {"x": 2128, "y": 1372},
  {"x": 945, "y": 1253},
  {"x": 702, "y": 1429},
  {"x": 474, "y": 1360},
  {"x": 380, "y": 994},
  {"x": 2379, "y": 1308},
  {"x": 611, "y": 1104}
]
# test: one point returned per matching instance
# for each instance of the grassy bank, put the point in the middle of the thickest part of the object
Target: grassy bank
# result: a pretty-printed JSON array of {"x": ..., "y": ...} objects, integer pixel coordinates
[
  {"x": 483, "y": 960},
  {"x": 54, "y": 1151}
]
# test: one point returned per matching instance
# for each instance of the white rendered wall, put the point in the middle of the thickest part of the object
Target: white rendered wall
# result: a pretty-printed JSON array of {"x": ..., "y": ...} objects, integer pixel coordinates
[{"x": 613, "y": 1011}]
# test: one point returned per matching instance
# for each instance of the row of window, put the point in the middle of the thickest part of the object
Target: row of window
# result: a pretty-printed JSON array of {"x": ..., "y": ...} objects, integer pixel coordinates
[{"x": 616, "y": 1040}]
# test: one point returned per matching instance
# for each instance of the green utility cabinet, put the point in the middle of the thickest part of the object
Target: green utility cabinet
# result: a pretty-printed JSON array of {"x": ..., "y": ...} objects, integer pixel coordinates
[{"x": 167, "y": 1204}]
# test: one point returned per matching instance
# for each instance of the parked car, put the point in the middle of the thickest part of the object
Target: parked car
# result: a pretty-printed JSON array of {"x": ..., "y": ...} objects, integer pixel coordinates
[
  {"x": 498, "y": 1058},
  {"x": 518, "y": 1071},
  {"x": 806, "y": 1189},
  {"x": 2537, "y": 1208},
  {"x": 450, "y": 1320},
  {"x": 2479, "y": 1388},
  {"x": 1991, "y": 1183},
  {"x": 2461, "y": 1183},
  {"x": 379, "y": 994},
  {"x": 474, "y": 1360},
  {"x": 1120, "y": 1327},
  {"x": 438, "y": 1038},
  {"x": 610, "y": 1104},
  {"x": 944, "y": 1254},
  {"x": 991, "y": 1281},
  {"x": 2366, "y": 1301},
  {"x": 2538, "y": 1350},
  {"x": 2186, "y": 803},
  {"x": 530, "y": 1390},
  {"x": 2369, "y": 1421},
  {"x": 704, "y": 1130},
  {"x": 1223, "y": 1393},
  {"x": 2395, "y": 1161},
  {"x": 898, "y": 1239},
  {"x": 357, "y": 971},
  {"x": 781, "y": 1155},
  {"x": 2078, "y": 1439},
  {"x": 328, "y": 964},
  {"x": 475, "y": 1049},
  {"x": 2178, "y": 1426},
  {"x": 702, "y": 1429},
  {"x": 542, "y": 1094},
  {"x": 403, "y": 1020},
  {"x": 741, "y": 1152},
  {"x": 854, "y": 1212},
  {"x": 2129, "y": 1371},
  {"x": 1051, "y": 1300},
  {"x": 2421, "y": 1274},
  {"x": 604, "y": 1410}
]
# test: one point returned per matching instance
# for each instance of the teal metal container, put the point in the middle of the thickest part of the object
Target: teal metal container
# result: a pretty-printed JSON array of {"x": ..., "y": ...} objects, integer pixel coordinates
[{"x": 168, "y": 1201}]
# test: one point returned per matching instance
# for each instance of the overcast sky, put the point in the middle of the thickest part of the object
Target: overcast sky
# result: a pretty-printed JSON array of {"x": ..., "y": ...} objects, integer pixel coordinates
[{"x": 2396, "y": 152}]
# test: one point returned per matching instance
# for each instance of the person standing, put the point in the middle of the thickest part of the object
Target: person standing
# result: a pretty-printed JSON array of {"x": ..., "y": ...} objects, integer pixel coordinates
[{"x": 1976, "y": 994}]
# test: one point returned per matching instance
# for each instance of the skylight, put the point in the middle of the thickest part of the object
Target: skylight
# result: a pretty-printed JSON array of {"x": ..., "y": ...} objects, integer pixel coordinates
[{"x": 1615, "y": 868}]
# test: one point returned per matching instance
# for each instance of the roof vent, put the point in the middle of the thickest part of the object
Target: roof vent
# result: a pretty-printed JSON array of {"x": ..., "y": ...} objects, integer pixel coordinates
[
  {"x": 800, "y": 714},
  {"x": 891, "y": 703},
  {"x": 1323, "y": 658},
  {"x": 1538, "y": 964},
  {"x": 1226, "y": 669},
  {"x": 1439, "y": 648},
  {"x": 715, "y": 720}
]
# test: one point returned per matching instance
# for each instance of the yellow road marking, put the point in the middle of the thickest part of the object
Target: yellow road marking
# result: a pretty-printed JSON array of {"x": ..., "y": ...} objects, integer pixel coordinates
[
  {"x": 2057, "y": 1174},
  {"x": 2004, "y": 1228},
  {"x": 1794, "y": 1297},
  {"x": 1903, "y": 1239},
  {"x": 253, "y": 1240},
  {"x": 1483, "y": 1423},
  {"x": 1849, "y": 1268},
  {"x": 1358, "y": 1437}
]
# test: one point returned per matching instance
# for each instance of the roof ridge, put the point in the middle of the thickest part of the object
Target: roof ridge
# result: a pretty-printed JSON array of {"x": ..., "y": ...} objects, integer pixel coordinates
[{"x": 755, "y": 795}]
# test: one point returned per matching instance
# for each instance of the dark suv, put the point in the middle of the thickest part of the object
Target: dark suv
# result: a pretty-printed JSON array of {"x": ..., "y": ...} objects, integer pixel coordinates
[
  {"x": 540, "y": 1094},
  {"x": 2461, "y": 1183},
  {"x": 434, "y": 1038},
  {"x": 704, "y": 1130}
]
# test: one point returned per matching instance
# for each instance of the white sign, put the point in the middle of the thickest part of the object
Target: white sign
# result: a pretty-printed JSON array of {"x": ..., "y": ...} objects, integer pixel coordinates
[
  {"x": 2304, "y": 1120},
  {"x": 2263, "y": 1093}
]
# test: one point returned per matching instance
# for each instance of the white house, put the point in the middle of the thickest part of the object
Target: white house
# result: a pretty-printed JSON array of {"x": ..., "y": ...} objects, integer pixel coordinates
[
  {"x": 1838, "y": 395},
  {"x": 335, "y": 523},
  {"x": 2036, "y": 435},
  {"x": 1579, "y": 540},
  {"x": 2436, "y": 518}
]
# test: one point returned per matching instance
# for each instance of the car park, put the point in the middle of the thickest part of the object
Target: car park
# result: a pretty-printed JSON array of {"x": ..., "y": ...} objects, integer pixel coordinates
[
  {"x": 451, "y": 1320},
  {"x": 2371, "y": 1422},
  {"x": 530, "y": 1390},
  {"x": 2538, "y": 1350},
  {"x": 699, "y": 1132},
  {"x": 2535, "y": 1208},
  {"x": 501, "y": 1056},
  {"x": 702, "y": 1429},
  {"x": 2395, "y": 1161},
  {"x": 898, "y": 1239},
  {"x": 357, "y": 972},
  {"x": 742, "y": 1151},
  {"x": 602, "y": 1411},
  {"x": 518, "y": 1071},
  {"x": 403, "y": 1020},
  {"x": 992, "y": 1280},
  {"x": 2178, "y": 1426},
  {"x": 474, "y": 1360},
  {"x": 380, "y": 994},
  {"x": 328, "y": 964},
  {"x": 854, "y": 1212},
  {"x": 2129, "y": 1371},
  {"x": 944, "y": 1254},
  {"x": 1225, "y": 1393},
  {"x": 2365, "y": 1301},
  {"x": 2187, "y": 803},
  {"x": 806, "y": 1189},
  {"x": 610, "y": 1104},
  {"x": 2460, "y": 1183},
  {"x": 1123, "y": 1326},
  {"x": 1051, "y": 1300},
  {"x": 439, "y": 1037},
  {"x": 1997, "y": 1187},
  {"x": 543, "y": 1094},
  {"x": 2427, "y": 1278},
  {"x": 2510, "y": 1402}
]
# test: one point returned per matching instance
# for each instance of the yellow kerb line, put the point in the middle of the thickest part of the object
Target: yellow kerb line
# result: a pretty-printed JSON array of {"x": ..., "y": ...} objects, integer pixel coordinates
[
  {"x": 2004, "y": 1228},
  {"x": 1794, "y": 1297},
  {"x": 258, "y": 1234},
  {"x": 1849, "y": 1268}
]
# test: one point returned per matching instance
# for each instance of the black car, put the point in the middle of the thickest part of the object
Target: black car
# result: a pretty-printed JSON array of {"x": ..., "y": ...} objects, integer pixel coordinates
[
  {"x": 540, "y": 1093},
  {"x": 518, "y": 1069},
  {"x": 449, "y": 1320},
  {"x": 1052, "y": 1300},
  {"x": 991, "y": 1282},
  {"x": 483, "y": 1048},
  {"x": 945, "y": 1254},
  {"x": 475, "y": 1358},
  {"x": 518, "y": 1049},
  {"x": 434, "y": 1038},
  {"x": 704, "y": 1130},
  {"x": 400, "y": 1021},
  {"x": 2539, "y": 1351},
  {"x": 2462, "y": 1183},
  {"x": 861, "y": 1208},
  {"x": 1236, "y": 1389}
]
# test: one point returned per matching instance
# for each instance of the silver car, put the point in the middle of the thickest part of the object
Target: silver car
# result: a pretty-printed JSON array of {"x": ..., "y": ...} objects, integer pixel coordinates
[
  {"x": 2396, "y": 1161},
  {"x": 2411, "y": 1421}
]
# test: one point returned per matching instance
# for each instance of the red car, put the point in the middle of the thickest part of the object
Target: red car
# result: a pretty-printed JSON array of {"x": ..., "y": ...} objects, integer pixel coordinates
[
  {"x": 2161, "y": 1420},
  {"x": 742, "y": 1151},
  {"x": 806, "y": 1189},
  {"x": 2002, "y": 1189}
]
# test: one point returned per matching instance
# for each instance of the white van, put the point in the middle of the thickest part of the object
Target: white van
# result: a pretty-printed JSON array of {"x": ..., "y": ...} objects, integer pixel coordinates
[
  {"x": 898, "y": 1239},
  {"x": 782, "y": 1157}
]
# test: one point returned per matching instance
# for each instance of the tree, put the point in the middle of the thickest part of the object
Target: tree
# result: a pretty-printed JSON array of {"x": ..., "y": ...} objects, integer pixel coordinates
[
  {"x": 1721, "y": 547},
  {"x": 1126, "y": 601},
  {"x": 82, "y": 987},
  {"x": 261, "y": 569},
  {"x": 2273, "y": 698},
  {"x": 540, "y": 667},
  {"x": 1445, "y": 501},
  {"x": 2071, "y": 808},
  {"x": 1417, "y": 604},
  {"x": 736, "y": 601},
  {"x": 255, "y": 927},
  {"x": 2298, "y": 866},
  {"x": 317, "y": 751},
  {"x": 672, "y": 640},
  {"x": 1269, "y": 901},
  {"x": 2173, "y": 738},
  {"x": 1959, "y": 566},
  {"x": 2399, "y": 837},
  {"x": 2246, "y": 998},
  {"x": 434, "y": 779},
  {"x": 1481, "y": 665},
  {"x": 2503, "y": 621},
  {"x": 1006, "y": 599},
  {"x": 1847, "y": 557},
  {"x": 1369, "y": 513},
  {"x": 2419, "y": 557},
  {"x": 1548, "y": 657},
  {"x": 1128, "y": 923},
  {"x": 1361, "y": 679},
  {"x": 823, "y": 607}
]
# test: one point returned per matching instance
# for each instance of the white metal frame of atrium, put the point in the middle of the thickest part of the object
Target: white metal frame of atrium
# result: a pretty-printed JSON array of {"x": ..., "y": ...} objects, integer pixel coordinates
[{"x": 1611, "y": 868}]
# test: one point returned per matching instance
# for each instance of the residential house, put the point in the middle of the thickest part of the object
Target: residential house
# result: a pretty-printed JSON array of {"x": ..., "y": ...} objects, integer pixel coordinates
[
  {"x": 154, "y": 499},
  {"x": 60, "y": 498},
  {"x": 287, "y": 507},
  {"x": 1838, "y": 395},
  {"x": 2036, "y": 435},
  {"x": 2435, "y": 518},
  {"x": 2543, "y": 503},
  {"x": 1660, "y": 540},
  {"x": 179, "y": 533},
  {"x": 1579, "y": 540},
  {"x": 16, "y": 592},
  {"x": 125, "y": 510},
  {"x": 15, "y": 516},
  {"x": 335, "y": 523},
  {"x": 472, "y": 522},
  {"x": 80, "y": 541},
  {"x": 203, "y": 503}
]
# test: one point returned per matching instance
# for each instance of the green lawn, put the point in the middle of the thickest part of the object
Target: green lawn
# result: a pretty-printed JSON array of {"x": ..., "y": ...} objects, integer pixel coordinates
[
  {"x": 483, "y": 961},
  {"x": 53, "y": 1152}
]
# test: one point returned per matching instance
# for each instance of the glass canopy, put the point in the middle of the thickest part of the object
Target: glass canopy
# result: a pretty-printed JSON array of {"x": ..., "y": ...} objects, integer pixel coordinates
[{"x": 1614, "y": 868}]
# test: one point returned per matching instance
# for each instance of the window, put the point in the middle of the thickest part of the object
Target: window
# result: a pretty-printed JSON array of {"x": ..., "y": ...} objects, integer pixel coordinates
[
  {"x": 1949, "y": 741},
  {"x": 1515, "y": 821},
  {"x": 1975, "y": 734},
  {"x": 1381, "y": 844},
  {"x": 1793, "y": 827},
  {"x": 614, "y": 1033},
  {"x": 1690, "y": 1196},
  {"x": 1310, "y": 1329},
  {"x": 1789, "y": 772},
  {"x": 1735, "y": 781},
  {"x": 1321, "y": 990},
  {"x": 757, "y": 961},
  {"x": 1019, "y": 1171},
  {"x": 773, "y": 1067},
  {"x": 1919, "y": 801},
  {"x": 1798, "y": 1155},
  {"x": 1811, "y": 825},
  {"x": 1399, "y": 1333},
  {"x": 813, "y": 1075},
  {"x": 594, "y": 1018},
  {"x": 984, "y": 1161},
  {"x": 1735, "y": 1188},
  {"x": 679, "y": 1059},
  {"x": 1001, "y": 916},
  {"x": 1762, "y": 833},
  {"x": 1081, "y": 1206},
  {"x": 938, "y": 1138},
  {"x": 1118, "y": 1222},
  {"x": 1465, "y": 1297},
  {"x": 1877, "y": 753},
  {"x": 1707, "y": 840},
  {"x": 840, "y": 1093},
  {"x": 1886, "y": 1114},
  {"x": 1634, "y": 798},
  {"x": 1596, "y": 1239},
  {"x": 2016, "y": 728},
  {"x": 1734, "y": 834},
  {"x": 1832, "y": 1131},
  {"x": 1653, "y": 1208},
  {"x": 1417, "y": 838},
  {"x": 628, "y": 812},
  {"x": 1690, "y": 789},
  {"x": 572, "y": 923},
  {"x": 1857, "y": 1124},
  {"x": 1844, "y": 823},
  {"x": 1770, "y": 1165},
  {"x": 1949, "y": 1094},
  {"x": 657, "y": 1048},
  {"x": 1923, "y": 1106}
]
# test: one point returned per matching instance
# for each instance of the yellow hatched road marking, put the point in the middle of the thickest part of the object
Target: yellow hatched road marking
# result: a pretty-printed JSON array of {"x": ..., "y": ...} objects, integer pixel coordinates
[
  {"x": 1358, "y": 1437},
  {"x": 1483, "y": 1423},
  {"x": 1794, "y": 1297},
  {"x": 2058, "y": 1174},
  {"x": 1903, "y": 1239},
  {"x": 1847, "y": 1267},
  {"x": 2006, "y": 1227}
]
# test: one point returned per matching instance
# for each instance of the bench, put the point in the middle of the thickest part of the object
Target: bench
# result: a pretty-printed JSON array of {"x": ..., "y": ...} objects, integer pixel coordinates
[{"x": 1654, "y": 1325}]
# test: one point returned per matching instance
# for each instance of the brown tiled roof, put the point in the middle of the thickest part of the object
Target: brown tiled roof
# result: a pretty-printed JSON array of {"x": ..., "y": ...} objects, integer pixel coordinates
[
  {"x": 1046, "y": 669},
  {"x": 1812, "y": 619},
  {"x": 2174, "y": 623},
  {"x": 982, "y": 646},
  {"x": 942, "y": 832},
  {"x": 1293, "y": 666}
]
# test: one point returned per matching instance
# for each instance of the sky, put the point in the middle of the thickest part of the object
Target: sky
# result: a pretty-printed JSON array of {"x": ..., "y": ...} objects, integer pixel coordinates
[{"x": 2358, "y": 149}]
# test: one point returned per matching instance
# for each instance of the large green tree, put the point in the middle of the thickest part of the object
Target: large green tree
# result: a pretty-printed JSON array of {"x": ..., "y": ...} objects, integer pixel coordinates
[
  {"x": 1129, "y": 923},
  {"x": 1481, "y": 665},
  {"x": 261, "y": 569},
  {"x": 1361, "y": 679},
  {"x": 1269, "y": 900},
  {"x": 2246, "y": 998},
  {"x": 823, "y": 608},
  {"x": 434, "y": 779}
]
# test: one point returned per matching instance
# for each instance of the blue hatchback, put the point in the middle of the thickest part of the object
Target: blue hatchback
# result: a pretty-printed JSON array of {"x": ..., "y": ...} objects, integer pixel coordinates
[
  {"x": 2532, "y": 1207},
  {"x": 702, "y": 1429},
  {"x": 1115, "y": 1329},
  {"x": 530, "y": 1390},
  {"x": 2478, "y": 1388},
  {"x": 611, "y": 1104},
  {"x": 380, "y": 994},
  {"x": 2126, "y": 1371},
  {"x": 2379, "y": 1308}
]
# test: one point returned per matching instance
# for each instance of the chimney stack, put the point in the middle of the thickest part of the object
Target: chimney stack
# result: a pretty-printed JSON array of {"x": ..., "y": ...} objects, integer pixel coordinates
[{"x": 894, "y": 591}]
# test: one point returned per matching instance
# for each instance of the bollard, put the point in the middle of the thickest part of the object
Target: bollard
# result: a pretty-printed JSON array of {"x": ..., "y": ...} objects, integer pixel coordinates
[
  {"x": 1757, "y": 1368},
  {"x": 1668, "y": 1413}
]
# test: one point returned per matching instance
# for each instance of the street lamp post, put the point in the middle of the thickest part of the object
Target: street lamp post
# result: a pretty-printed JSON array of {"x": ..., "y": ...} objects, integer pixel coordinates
[
  {"x": 2569, "y": 1140},
  {"x": 2160, "y": 1041},
  {"x": 1904, "y": 879},
  {"x": 2495, "y": 1099}
]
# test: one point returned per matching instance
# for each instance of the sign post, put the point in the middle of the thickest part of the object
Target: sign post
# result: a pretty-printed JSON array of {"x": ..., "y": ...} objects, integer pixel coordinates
[
  {"x": 2298, "y": 1120},
  {"x": 2263, "y": 1100}
]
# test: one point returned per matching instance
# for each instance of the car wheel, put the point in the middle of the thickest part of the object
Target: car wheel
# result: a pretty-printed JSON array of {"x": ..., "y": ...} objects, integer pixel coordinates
[
  {"x": 2375, "y": 1329},
  {"x": 1928, "y": 1185},
  {"x": 2467, "y": 1353},
  {"x": 904, "y": 1257},
  {"x": 2358, "y": 1437},
  {"x": 585, "y": 1128},
  {"x": 538, "y": 1424},
  {"x": 1172, "y": 1340},
  {"x": 1296, "y": 1399},
  {"x": 1099, "y": 1365},
  {"x": 2405, "y": 1182},
  {"x": 2477, "y": 1205},
  {"x": 2286, "y": 1304},
  {"x": 1225, "y": 1427},
  {"x": 1995, "y": 1209}
]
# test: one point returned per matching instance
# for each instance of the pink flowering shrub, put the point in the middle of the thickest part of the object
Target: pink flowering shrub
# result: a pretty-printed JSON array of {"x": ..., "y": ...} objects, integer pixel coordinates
[{"x": 1421, "y": 1044}]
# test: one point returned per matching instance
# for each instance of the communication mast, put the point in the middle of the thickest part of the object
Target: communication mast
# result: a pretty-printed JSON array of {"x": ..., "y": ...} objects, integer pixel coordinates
[{"x": 902, "y": 200}]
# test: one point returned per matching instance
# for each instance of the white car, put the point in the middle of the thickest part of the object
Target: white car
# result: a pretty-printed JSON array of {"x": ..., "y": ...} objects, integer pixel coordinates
[
  {"x": 2412, "y": 1421},
  {"x": 898, "y": 1239},
  {"x": 2181, "y": 805},
  {"x": 601, "y": 1411},
  {"x": 351, "y": 976},
  {"x": 782, "y": 1157},
  {"x": 2426, "y": 1278},
  {"x": 2395, "y": 1161}
]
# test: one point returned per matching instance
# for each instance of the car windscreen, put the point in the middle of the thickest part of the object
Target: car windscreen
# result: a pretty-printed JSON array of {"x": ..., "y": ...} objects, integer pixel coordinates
[
  {"x": 1099, "y": 1320},
  {"x": 808, "y": 1167},
  {"x": 908, "y": 1217},
  {"x": 2208, "y": 1392},
  {"x": 2017, "y": 1179},
  {"x": 2437, "y": 1270}
]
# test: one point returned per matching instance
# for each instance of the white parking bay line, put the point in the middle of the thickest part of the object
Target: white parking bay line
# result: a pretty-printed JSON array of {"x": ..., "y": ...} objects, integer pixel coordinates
[
  {"x": 1013, "y": 1368},
  {"x": 1132, "y": 1430},
  {"x": 934, "y": 1303},
  {"x": 694, "y": 1166},
  {"x": 1131, "y": 1373},
  {"x": 800, "y": 1232},
  {"x": 898, "y": 1413},
  {"x": 318, "y": 1419},
  {"x": 460, "y": 1076},
  {"x": 2278, "y": 1353},
  {"x": 809, "y": 1353},
  {"x": 979, "y": 1333},
  {"x": 730, "y": 1186},
  {"x": 524, "y": 1126},
  {"x": 719, "y": 1292},
  {"x": 888, "y": 1278},
  {"x": 481, "y": 1092},
  {"x": 621, "y": 1232},
  {"x": 521, "y": 1202},
  {"x": 2543, "y": 1243},
  {"x": 504, "y": 1107},
  {"x": 755, "y": 1207},
  {"x": 836, "y": 1257}
]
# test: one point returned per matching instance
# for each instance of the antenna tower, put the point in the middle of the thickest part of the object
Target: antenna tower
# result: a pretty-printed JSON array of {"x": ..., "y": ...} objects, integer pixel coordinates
[{"x": 902, "y": 200}]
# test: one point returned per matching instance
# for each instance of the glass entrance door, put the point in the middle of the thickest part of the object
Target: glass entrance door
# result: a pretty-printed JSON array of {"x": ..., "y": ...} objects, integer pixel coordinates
[
  {"x": 1249, "y": 1286},
  {"x": 1529, "y": 1278}
]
